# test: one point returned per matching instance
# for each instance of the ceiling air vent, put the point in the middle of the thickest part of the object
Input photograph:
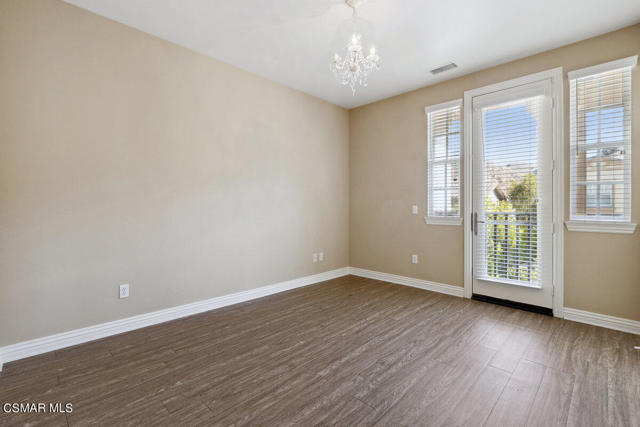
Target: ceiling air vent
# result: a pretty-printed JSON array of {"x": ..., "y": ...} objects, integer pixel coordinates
[{"x": 444, "y": 68}]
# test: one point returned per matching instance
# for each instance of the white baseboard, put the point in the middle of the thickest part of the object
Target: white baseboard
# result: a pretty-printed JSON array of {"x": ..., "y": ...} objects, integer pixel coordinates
[
  {"x": 457, "y": 291},
  {"x": 610, "y": 322},
  {"x": 66, "y": 339},
  {"x": 90, "y": 333}
]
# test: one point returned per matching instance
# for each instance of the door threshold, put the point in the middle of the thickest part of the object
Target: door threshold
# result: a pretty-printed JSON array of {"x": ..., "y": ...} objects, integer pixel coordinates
[{"x": 513, "y": 304}]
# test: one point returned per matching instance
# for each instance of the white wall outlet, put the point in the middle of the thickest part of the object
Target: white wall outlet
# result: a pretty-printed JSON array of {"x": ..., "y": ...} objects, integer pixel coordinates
[
  {"x": 315, "y": 257},
  {"x": 124, "y": 291},
  {"x": 321, "y": 256},
  {"x": 414, "y": 209},
  {"x": 414, "y": 259}
]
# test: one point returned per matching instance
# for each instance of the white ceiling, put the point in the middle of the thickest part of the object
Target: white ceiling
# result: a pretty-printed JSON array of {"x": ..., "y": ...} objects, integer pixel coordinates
[{"x": 292, "y": 41}]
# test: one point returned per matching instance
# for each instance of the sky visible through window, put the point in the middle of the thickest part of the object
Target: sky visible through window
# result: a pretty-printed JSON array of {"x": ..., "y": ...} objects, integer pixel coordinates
[{"x": 510, "y": 135}]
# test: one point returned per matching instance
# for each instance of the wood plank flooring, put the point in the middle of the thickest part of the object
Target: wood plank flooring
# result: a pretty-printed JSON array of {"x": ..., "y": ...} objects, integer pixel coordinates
[{"x": 350, "y": 351}]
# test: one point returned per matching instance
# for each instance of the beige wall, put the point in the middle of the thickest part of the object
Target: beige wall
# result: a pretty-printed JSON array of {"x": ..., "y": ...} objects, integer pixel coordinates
[
  {"x": 127, "y": 159},
  {"x": 388, "y": 175}
]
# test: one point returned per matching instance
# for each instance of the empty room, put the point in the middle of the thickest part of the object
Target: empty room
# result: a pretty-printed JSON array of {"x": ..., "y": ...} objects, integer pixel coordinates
[{"x": 319, "y": 212}]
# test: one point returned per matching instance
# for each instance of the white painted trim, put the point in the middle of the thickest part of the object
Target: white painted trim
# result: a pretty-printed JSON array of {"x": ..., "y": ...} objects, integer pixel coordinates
[
  {"x": 602, "y": 320},
  {"x": 443, "y": 220},
  {"x": 558, "y": 191},
  {"x": 456, "y": 291},
  {"x": 90, "y": 333},
  {"x": 443, "y": 105},
  {"x": 601, "y": 227},
  {"x": 555, "y": 75},
  {"x": 630, "y": 61},
  {"x": 467, "y": 183},
  {"x": 609, "y": 322},
  {"x": 54, "y": 342}
]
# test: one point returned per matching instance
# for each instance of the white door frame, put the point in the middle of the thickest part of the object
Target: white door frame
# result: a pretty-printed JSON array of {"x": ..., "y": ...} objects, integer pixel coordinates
[{"x": 557, "y": 83}]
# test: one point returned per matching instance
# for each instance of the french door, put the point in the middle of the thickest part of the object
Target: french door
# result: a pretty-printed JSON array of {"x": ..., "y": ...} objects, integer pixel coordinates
[{"x": 512, "y": 193}]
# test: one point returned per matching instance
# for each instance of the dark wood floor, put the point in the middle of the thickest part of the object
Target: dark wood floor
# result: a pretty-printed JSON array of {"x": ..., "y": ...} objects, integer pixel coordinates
[{"x": 348, "y": 351}]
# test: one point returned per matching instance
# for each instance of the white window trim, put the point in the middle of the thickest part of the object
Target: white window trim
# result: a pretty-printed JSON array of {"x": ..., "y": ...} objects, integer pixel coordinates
[
  {"x": 616, "y": 227},
  {"x": 601, "y": 226},
  {"x": 442, "y": 106},
  {"x": 631, "y": 61},
  {"x": 443, "y": 220}
]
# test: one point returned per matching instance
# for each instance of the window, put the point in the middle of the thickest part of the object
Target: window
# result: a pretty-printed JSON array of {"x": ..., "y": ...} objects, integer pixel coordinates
[
  {"x": 443, "y": 145},
  {"x": 600, "y": 99}
]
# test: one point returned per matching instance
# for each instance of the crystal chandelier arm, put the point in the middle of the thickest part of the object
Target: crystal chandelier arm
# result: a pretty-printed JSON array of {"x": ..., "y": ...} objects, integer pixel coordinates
[{"x": 355, "y": 67}]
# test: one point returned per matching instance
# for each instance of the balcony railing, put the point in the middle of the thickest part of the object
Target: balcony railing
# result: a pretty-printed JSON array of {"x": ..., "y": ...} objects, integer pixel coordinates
[{"x": 511, "y": 246}]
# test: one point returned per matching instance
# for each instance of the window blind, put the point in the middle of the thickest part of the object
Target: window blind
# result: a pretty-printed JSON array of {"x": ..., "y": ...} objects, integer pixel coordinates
[
  {"x": 600, "y": 99},
  {"x": 444, "y": 138},
  {"x": 512, "y": 181}
]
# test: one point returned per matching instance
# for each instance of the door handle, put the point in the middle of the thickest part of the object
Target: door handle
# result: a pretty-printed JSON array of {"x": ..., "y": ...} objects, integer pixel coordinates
[{"x": 474, "y": 223}]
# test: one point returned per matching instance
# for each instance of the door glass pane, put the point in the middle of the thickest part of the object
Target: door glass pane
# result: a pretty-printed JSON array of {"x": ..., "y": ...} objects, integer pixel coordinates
[{"x": 509, "y": 233}]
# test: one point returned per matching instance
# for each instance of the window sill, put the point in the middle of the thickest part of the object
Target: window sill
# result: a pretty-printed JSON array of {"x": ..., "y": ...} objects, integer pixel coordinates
[
  {"x": 442, "y": 220},
  {"x": 601, "y": 227}
]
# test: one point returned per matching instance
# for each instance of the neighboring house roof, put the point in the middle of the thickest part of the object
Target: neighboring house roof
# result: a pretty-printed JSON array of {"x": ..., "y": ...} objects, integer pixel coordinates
[{"x": 498, "y": 178}]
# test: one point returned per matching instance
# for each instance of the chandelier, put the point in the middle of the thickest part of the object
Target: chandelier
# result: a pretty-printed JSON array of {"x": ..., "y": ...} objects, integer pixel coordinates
[{"x": 355, "y": 67}]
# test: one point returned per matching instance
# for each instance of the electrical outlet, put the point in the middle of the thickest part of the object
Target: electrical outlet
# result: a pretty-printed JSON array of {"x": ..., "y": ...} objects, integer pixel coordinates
[
  {"x": 124, "y": 291},
  {"x": 321, "y": 256},
  {"x": 414, "y": 209},
  {"x": 315, "y": 257},
  {"x": 414, "y": 259}
]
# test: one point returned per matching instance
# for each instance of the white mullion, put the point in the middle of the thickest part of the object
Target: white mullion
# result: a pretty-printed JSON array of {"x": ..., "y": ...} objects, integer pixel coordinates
[
  {"x": 446, "y": 133},
  {"x": 603, "y": 145},
  {"x": 601, "y": 107},
  {"x": 442, "y": 161},
  {"x": 605, "y": 182}
]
